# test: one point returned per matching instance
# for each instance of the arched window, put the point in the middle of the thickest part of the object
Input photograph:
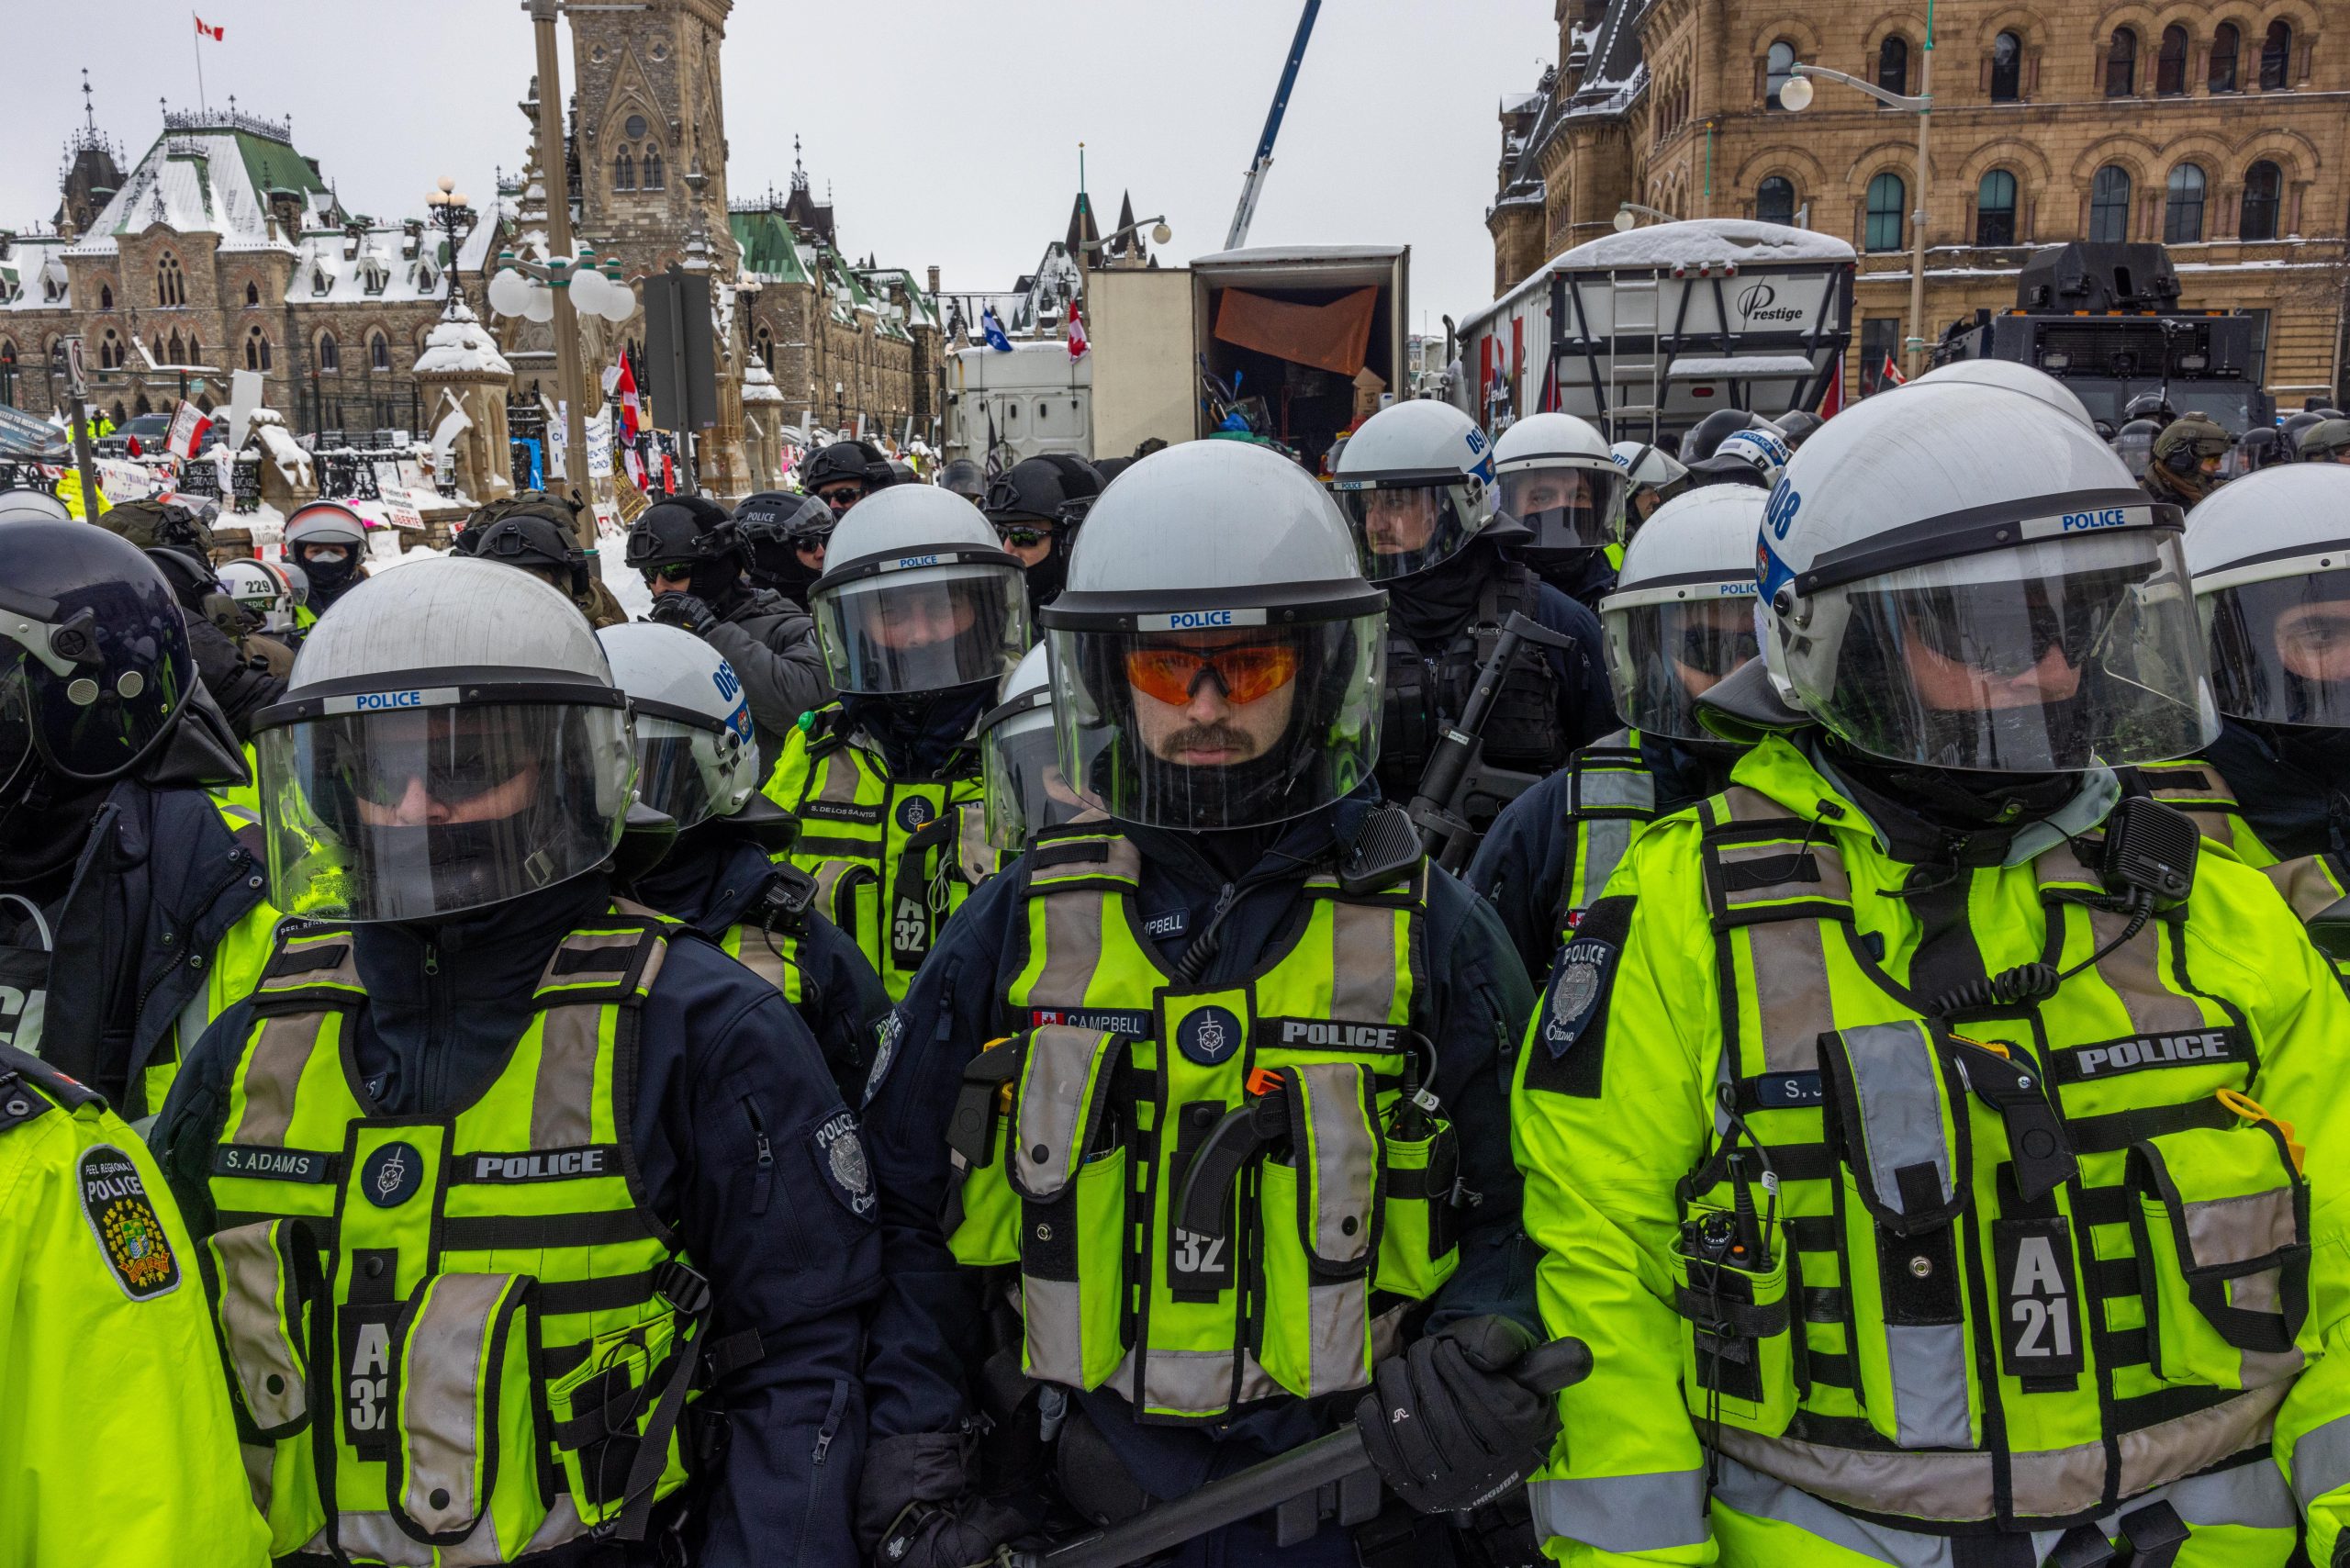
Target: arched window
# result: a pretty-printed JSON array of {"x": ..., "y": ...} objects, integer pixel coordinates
[
  {"x": 105, "y": 297},
  {"x": 2264, "y": 186},
  {"x": 119, "y": 413},
  {"x": 1893, "y": 64},
  {"x": 2276, "y": 57},
  {"x": 625, "y": 170},
  {"x": 1774, "y": 201},
  {"x": 1995, "y": 209},
  {"x": 379, "y": 352},
  {"x": 257, "y": 356},
  {"x": 2170, "y": 62},
  {"x": 2183, "y": 209},
  {"x": 252, "y": 294},
  {"x": 1888, "y": 199},
  {"x": 2122, "y": 63},
  {"x": 654, "y": 177},
  {"x": 179, "y": 350},
  {"x": 170, "y": 287},
  {"x": 158, "y": 350},
  {"x": 767, "y": 349},
  {"x": 2007, "y": 68},
  {"x": 110, "y": 352},
  {"x": 2227, "y": 42},
  {"x": 1778, "y": 69},
  {"x": 2110, "y": 205},
  {"x": 330, "y": 353},
  {"x": 195, "y": 350}
]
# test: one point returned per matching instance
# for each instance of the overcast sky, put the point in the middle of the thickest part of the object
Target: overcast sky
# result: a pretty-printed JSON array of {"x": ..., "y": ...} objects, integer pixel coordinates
[{"x": 948, "y": 129}]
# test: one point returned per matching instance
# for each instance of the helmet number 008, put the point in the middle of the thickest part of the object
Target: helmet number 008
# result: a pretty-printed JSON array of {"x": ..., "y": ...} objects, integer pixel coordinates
[{"x": 723, "y": 678}]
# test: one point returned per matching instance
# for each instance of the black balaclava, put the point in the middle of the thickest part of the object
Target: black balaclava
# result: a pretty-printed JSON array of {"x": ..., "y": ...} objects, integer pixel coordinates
[
  {"x": 776, "y": 567},
  {"x": 1431, "y": 607},
  {"x": 1948, "y": 816},
  {"x": 2292, "y": 783},
  {"x": 329, "y": 581},
  {"x": 920, "y": 732}
]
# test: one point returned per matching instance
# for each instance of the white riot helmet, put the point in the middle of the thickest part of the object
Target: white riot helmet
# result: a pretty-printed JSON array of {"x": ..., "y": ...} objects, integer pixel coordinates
[
  {"x": 1417, "y": 483},
  {"x": 32, "y": 505},
  {"x": 2027, "y": 615},
  {"x": 2012, "y": 375},
  {"x": 1755, "y": 457},
  {"x": 1217, "y": 656},
  {"x": 1652, "y": 477},
  {"x": 450, "y": 738},
  {"x": 325, "y": 522},
  {"x": 1554, "y": 474},
  {"x": 918, "y": 594},
  {"x": 2271, "y": 558},
  {"x": 697, "y": 751},
  {"x": 260, "y": 587},
  {"x": 1682, "y": 615},
  {"x": 1019, "y": 760}
]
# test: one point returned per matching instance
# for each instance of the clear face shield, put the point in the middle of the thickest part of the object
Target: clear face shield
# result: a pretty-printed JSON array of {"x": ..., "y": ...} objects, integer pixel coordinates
[
  {"x": 1235, "y": 727},
  {"x": 388, "y": 814},
  {"x": 1406, "y": 525},
  {"x": 2280, "y": 648},
  {"x": 951, "y": 618},
  {"x": 1570, "y": 510},
  {"x": 684, "y": 765},
  {"x": 1666, "y": 647},
  {"x": 2049, "y": 656},
  {"x": 1019, "y": 770}
]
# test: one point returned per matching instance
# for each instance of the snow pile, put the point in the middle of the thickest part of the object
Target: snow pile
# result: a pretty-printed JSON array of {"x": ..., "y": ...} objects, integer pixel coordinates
[
  {"x": 1702, "y": 241},
  {"x": 279, "y": 447},
  {"x": 627, "y": 586},
  {"x": 1703, "y": 367},
  {"x": 758, "y": 385},
  {"x": 460, "y": 345}
]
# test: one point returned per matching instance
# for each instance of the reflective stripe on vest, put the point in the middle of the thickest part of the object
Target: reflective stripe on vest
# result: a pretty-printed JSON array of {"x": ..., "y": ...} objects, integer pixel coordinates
[
  {"x": 2316, "y": 887},
  {"x": 773, "y": 955},
  {"x": 1610, "y": 796},
  {"x": 1295, "y": 1298},
  {"x": 471, "y": 1268},
  {"x": 1916, "y": 1205}
]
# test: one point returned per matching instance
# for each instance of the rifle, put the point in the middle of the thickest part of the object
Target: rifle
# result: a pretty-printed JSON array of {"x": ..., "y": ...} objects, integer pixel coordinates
[
  {"x": 1456, "y": 771},
  {"x": 1293, "y": 1486}
]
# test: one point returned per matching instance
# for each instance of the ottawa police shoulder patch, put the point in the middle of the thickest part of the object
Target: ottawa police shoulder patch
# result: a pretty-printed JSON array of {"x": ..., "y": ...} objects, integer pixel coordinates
[
  {"x": 840, "y": 1154},
  {"x": 1572, "y": 1024},
  {"x": 129, "y": 1232}
]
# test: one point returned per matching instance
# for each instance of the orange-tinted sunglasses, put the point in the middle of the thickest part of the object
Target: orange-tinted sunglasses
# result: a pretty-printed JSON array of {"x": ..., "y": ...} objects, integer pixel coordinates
[{"x": 1247, "y": 672}]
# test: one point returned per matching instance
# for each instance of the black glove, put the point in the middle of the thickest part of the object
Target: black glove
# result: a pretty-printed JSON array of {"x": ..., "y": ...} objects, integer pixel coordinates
[
  {"x": 928, "y": 1535},
  {"x": 1446, "y": 1426},
  {"x": 685, "y": 610},
  {"x": 918, "y": 1505}
]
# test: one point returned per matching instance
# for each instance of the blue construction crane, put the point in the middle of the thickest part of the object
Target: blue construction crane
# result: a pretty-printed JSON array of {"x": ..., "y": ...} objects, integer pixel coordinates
[{"x": 1247, "y": 211}]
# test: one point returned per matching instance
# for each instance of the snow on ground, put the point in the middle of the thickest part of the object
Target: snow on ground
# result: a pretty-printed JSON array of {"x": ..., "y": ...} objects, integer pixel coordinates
[{"x": 628, "y": 586}]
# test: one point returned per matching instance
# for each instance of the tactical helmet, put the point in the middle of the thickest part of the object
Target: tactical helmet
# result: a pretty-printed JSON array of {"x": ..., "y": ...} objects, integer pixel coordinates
[{"x": 1415, "y": 482}]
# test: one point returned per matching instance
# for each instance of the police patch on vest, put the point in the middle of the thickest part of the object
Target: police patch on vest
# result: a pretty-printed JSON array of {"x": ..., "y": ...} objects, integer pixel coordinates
[
  {"x": 391, "y": 1175},
  {"x": 269, "y": 1164},
  {"x": 2110, "y": 1058},
  {"x": 913, "y": 812},
  {"x": 839, "y": 812},
  {"x": 537, "y": 1165},
  {"x": 1585, "y": 966},
  {"x": 1137, "y": 1025},
  {"x": 130, "y": 1233},
  {"x": 1208, "y": 1035},
  {"x": 1332, "y": 1035},
  {"x": 840, "y": 1154}
]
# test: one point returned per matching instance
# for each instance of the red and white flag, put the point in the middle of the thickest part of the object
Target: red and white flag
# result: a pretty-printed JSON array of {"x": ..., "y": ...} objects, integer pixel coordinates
[
  {"x": 632, "y": 406},
  {"x": 217, "y": 35},
  {"x": 1891, "y": 375},
  {"x": 1076, "y": 331},
  {"x": 1831, "y": 402}
]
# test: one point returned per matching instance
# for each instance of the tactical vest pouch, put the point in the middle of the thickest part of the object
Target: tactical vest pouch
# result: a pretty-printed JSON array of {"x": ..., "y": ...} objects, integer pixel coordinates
[
  {"x": 1739, "y": 1338},
  {"x": 463, "y": 1400},
  {"x": 2221, "y": 1229},
  {"x": 1419, "y": 1239},
  {"x": 1321, "y": 1232},
  {"x": 1902, "y": 1183},
  {"x": 982, "y": 1218},
  {"x": 263, "y": 1278},
  {"x": 598, "y": 1409},
  {"x": 1070, "y": 1167}
]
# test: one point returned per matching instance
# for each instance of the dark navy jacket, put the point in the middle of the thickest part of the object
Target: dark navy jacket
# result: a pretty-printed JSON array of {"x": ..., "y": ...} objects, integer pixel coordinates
[
  {"x": 721, "y": 1056},
  {"x": 717, "y": 877},
  {"x": 2293, "y": 785},
  {"x": 925, "y": 1338}
]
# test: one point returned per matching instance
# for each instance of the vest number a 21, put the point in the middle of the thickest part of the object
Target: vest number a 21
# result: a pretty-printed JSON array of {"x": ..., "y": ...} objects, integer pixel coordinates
[{"x": 2040, "y": 1320}]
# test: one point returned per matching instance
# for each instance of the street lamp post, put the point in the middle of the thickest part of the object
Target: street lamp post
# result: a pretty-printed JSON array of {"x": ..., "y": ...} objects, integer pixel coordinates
[
  {"x": 554, "y": 169},
  {"x": 1796, "y": 95},
  {"x": 454, "y": 217}
]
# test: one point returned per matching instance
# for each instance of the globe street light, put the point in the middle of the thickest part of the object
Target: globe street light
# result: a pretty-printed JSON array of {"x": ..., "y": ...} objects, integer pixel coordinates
[{"x": 456, "y": 219}]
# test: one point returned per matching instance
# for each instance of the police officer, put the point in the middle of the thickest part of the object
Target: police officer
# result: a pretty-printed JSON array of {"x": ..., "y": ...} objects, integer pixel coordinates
[
  {"x": 1880, "y": 1121},
  {"x": 131, "y": 906},
  {"x": 540, "y": 534},
  {"x": 842, "y": 474},
  {"x": 1416, "y": 483},
  {"x": 2328, "y": 440},
  {"x": 1681, "y": 619},
  {"x": 1652, "y": 478},
  {"x": 501, "y": 1172},
  {"x": 1019, "y": 770},
  {"x": 328, "y": 542},
  {"x": 1036, "y": 508},
  {"x": 1242, "y": 970},
  {"x": 964, "y": 477},
  {"x": 2271, "y": 558},
  {"x": 696, "y": 763},
  {"x": 2183, "y": 467},
  {"x": 101, "y": 1314},
  {"x": 693, "y": 558},
  {"x": 785, "y": 534},
  {"x": 1557, "y": 478},
  {"x": 1756, "y": 456},
  {"x": 240, "y": 674},
  {"x": 920, "y": 614}
]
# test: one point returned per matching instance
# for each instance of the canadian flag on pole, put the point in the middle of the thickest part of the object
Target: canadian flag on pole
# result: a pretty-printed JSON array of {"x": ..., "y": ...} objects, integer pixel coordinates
[
  {"x": 217, "y": 35},
  {"x": 1831, "y": 402},
  {"x": 1892, "y": 375},
  {"x": 1076, "y": 331}
]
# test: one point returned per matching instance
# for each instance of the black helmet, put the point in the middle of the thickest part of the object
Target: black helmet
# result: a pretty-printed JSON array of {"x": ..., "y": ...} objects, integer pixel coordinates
[
  {"x": 841, "y": 460},
  {"x": 2150, "y": 406},
  {"x": 537, "y": 541},
  {"x": 901, "y": 472},
  {"x": 1045, "y": 490},
  {"x": 1796, "y": 425},
  {"x": 94, "y": 666},
  {"x": 781, "y": 517},
  {"x": 965, "y": 478},
  {"x": 1710, "y": 431},
  {"x": 695, "y": 530}
]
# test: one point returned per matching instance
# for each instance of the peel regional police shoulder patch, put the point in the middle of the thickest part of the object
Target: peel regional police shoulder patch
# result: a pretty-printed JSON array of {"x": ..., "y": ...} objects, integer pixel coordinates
[{"x": 129, "y": 1232}]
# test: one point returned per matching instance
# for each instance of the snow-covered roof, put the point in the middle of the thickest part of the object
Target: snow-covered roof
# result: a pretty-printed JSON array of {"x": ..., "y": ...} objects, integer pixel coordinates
[
  {"x": 460, "y": 345},
  {"x": 1700, "y": 241},
  {"x": 34, "y": 275},
  {"x": 758, "y": 384},
  {"x": 212, "y": 174},
  {"x": 1721, "y": 367},
  {"x": 1253, "y": 254}
]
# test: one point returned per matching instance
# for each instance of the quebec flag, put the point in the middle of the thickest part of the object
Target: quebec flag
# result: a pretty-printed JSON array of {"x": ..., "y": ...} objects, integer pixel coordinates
[{"x": 993, "y": 329}]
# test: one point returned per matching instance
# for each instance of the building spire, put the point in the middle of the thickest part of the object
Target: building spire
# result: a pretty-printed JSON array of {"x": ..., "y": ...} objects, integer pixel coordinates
[{"x": 89, "y": 104}]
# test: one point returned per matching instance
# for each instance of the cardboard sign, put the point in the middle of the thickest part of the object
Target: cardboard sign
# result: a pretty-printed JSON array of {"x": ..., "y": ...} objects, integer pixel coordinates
[{"x": 188, "y": 429}]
